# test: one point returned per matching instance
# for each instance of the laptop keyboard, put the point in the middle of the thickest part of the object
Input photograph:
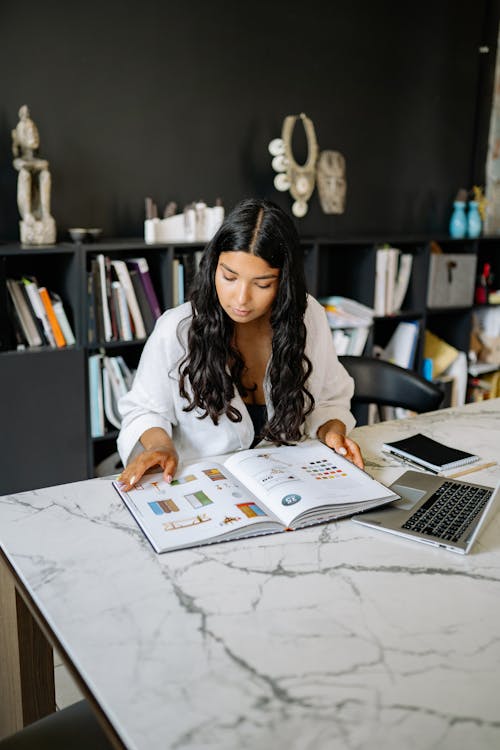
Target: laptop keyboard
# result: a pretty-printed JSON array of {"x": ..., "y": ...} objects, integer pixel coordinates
[{"x": 449, "y": 511}]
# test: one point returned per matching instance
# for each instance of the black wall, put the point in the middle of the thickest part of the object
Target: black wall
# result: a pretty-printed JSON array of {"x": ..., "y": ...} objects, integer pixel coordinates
[{"x": 179, "y": 100}]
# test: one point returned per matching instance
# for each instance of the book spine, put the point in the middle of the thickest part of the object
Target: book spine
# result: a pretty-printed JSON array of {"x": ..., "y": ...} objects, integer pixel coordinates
[
  {"x": 106, "y": 317},
  {"x": 115, "y": 335},
  {"x": 31, "y": 288},
  {"x": 96, "y": 396},
  {"x": 380, "y": 282},
  {"x": 56, "y": 328},
  {"x": 127, "y": 374},
  {"x": 91, "y": 320},
  {"x": 123, "y": 313},
  {"x": 33, "y": 315},
  {"x": 108, "y": 401},
  {"x": 123, "y": 276},
  {"x": 63, "y": 321},
  {"x": 181, "y": 287},
  {"x": 403, "y": 280},
  {"x": 189, "y": 263},
  {"x": 96, "y": 286},
  {"x": 392, "y": 264},
  {"x": 142, "y": 301},
  {"x": 19, "y": 341},
  {"x": 24, "y": 314},
  {"x": 175, "y": 282},
  {"x": 141, "y": 265}
]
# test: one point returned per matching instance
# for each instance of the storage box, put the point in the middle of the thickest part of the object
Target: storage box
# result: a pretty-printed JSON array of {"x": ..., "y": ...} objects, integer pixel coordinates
[{"x": 451, "y": 280}]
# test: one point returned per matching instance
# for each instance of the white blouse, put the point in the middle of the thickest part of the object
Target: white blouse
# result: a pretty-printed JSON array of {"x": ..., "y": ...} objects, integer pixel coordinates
[{"x": 154, "y": 400}]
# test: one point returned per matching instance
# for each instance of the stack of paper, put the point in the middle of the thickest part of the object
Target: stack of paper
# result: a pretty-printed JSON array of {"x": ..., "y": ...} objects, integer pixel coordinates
[{"x": 350, "y": 322}]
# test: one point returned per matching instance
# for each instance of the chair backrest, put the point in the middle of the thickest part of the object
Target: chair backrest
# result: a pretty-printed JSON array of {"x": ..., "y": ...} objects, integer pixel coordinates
[{"x": 385, "y": 384}]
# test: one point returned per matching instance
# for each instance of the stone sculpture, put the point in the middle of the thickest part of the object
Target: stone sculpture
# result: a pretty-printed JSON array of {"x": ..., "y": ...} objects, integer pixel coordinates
[{"x": 37, "y": 226}]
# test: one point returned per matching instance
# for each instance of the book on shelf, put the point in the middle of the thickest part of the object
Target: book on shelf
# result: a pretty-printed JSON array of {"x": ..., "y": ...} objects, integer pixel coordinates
[
  {"x": 62, "y": 318},
  {"x": 114, "y": 387},
  {"x": 253, "y": 492},
  {"x": 402, "y": 280},
  {"x": 141, "y": 266},
  {"x": 106, "y": 314},
  {"x": 402, "y": 346},
  {"x": 96, "y": 396},
  {"x": 16, "y": 337},
  {"x": 36, "y": 320},
  {"x": 97, "y": 299},
  {"x": 181, "y": 290},
  {"x": 175, "y": 282},
  {"x": 24, "y": 313},
  {"x": 113, "y": 310},
  {"x": 142, "y": 300},
  {"x": 122, "y": 311},
  {"x": 392, "y": 278},
  {"x": 110, "y": 406},
  {"x": 91, "y": 319},
  {"x": 109, "y": 379},
  {"x": 126, "y": 373},
  {"x": 123, "y": 276},
  {"x": 190, "y": 268},
  {"x": 33, "y": 292},
  {"x": 54, "y": 323}
]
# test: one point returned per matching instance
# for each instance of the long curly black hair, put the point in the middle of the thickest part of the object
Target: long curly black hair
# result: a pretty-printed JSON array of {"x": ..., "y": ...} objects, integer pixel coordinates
[{"x": 213, "y": 366}]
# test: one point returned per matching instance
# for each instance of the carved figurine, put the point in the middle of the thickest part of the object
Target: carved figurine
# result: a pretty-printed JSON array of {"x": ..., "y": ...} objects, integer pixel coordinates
[{"x": 37, "y": 226}]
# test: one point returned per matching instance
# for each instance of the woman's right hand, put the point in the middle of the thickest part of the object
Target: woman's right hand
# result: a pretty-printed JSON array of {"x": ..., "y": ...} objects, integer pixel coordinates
[{"x": 159, "y": 451}]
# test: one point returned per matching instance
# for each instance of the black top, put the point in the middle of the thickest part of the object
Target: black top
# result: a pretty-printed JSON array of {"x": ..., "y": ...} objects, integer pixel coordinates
[{"x": 258, "y": 415}]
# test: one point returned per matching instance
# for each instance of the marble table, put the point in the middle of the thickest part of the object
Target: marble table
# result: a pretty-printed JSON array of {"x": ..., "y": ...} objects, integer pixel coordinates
[{"x": 337, "y": 636}]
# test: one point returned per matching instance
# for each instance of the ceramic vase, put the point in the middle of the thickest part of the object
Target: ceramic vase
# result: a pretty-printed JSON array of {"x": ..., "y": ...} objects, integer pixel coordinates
[
  {"x": 474, "y": 223},
  {"x": 458, "y": 221}
]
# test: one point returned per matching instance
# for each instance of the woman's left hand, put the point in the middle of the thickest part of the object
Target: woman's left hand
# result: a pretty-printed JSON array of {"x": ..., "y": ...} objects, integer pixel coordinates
[{"x": 342, "y": 445}]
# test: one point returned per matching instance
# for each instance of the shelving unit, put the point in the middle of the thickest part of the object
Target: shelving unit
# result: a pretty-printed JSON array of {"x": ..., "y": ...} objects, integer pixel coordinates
[{"x": 44, "y": 392}]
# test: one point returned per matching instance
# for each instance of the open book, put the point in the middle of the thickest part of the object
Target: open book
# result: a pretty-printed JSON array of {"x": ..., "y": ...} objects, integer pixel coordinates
[{"x": 253, "y": 492}]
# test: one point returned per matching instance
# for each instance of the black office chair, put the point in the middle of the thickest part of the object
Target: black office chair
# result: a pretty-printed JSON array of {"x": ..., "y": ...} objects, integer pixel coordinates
[
  {"x": 385, "y": 384},
  {"x": 71, "y": 728}
]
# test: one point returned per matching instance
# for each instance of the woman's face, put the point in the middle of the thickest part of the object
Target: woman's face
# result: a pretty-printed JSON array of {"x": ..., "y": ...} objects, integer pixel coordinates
[{"x": 246, "y": 286}]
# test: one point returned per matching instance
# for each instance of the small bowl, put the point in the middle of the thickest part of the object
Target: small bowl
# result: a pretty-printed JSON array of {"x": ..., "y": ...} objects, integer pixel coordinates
[
  {"x": 94, "y": 233},
  {"x": 77, "y": 234}
]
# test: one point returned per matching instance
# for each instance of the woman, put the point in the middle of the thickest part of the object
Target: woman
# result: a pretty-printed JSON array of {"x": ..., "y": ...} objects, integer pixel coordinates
[{"x": 249, "y": 358}]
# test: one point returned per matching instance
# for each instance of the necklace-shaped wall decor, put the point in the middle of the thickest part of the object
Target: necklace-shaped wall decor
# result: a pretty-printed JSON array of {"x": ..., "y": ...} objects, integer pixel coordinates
[
  {"x": 326, "y": 170},
  {"x": 299, "y": 179}
]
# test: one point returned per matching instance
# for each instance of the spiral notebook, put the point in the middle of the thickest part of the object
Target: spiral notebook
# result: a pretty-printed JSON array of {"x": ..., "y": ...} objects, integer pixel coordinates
[{"x": 429, "y": 454}]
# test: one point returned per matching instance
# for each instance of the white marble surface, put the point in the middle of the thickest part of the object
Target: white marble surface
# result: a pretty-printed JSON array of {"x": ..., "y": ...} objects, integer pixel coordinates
[{"x": 331, "y": 637}]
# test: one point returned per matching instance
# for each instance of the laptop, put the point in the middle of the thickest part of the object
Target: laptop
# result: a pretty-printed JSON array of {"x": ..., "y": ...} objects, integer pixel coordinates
[{"x": 443, "y": 512}]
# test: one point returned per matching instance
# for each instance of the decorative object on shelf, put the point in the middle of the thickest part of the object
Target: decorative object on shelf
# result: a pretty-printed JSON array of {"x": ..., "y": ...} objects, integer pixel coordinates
[
  {"x": 197, "y": 223},
  {"x": 80, "y": 234},
  {"x": 299, "y": 179},
  {"x": 328, "y": 171},
  {"x": 474, "y": 223},
  {"x": 483, "y": 286},
  {"x": 37, "y": 225},
  {"x": 458, "y": 221},
  {"x": 331, "y": 182},
  {"x": 480, "y": 198}
]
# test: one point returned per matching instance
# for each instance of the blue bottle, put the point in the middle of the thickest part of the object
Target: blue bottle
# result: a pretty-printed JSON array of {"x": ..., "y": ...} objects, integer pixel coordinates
[
  {"x": 458, "y": 221},
  {"x": 474, "y": 223}
]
